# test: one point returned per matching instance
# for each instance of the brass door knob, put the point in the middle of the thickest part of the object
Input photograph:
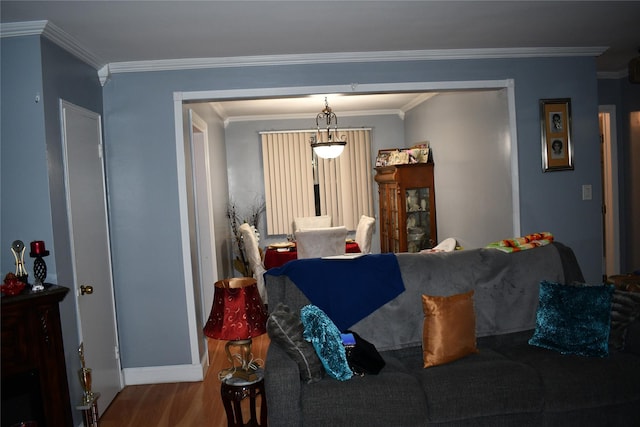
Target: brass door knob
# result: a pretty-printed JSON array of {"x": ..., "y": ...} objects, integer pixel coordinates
[{"x": 86, "y": 290}]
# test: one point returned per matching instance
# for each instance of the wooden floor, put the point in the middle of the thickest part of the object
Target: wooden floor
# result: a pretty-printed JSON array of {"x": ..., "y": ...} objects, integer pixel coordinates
[{"x": 179, "y": 404}]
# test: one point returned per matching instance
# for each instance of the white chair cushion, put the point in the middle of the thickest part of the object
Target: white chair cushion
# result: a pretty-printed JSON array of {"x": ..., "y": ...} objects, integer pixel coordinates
[{"x": 319, "y": 242}]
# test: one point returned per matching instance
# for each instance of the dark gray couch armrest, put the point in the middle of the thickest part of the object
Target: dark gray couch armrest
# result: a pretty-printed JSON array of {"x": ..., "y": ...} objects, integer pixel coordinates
[
  {"x": 632, "y": 340},
  {"x": 572, "y": 270},
  {"x": 282, "y": 388}
]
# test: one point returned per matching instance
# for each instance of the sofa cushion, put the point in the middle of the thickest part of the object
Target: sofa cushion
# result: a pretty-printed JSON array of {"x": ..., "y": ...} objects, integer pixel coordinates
[
  {"x": 326, "y": 339},
  {"x": 625, "y": 308},
  {"x": 285, "y": 328},
  {"x": 632, "y": 339},
  {"x": 573, "y": 383},
  {"x": 394, "y": 397},
  {"x": 482, "y": 385},
  {"x": 449, "y": 329},
  {"x": 573, "y": 319}
]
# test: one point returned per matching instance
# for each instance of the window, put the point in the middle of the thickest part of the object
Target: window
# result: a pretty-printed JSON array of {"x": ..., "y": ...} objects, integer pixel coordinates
[{"x": 345, "y": 182}]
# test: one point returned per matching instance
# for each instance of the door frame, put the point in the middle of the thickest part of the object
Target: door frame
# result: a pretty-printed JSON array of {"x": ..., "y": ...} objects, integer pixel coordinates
[{"x": 610, "y": 192}]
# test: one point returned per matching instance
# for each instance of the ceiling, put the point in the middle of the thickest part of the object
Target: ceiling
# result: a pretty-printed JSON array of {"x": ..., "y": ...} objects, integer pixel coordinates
[{"x": 123, "y": 31}]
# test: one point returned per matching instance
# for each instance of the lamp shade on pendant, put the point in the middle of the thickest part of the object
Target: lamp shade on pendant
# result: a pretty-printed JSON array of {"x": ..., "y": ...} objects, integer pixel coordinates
[
  {"x": 237, "y": 312},
  {"x": 328, "y": 150}
]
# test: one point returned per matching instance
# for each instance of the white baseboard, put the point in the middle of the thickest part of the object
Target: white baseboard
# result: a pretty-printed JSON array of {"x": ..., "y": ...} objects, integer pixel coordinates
[
  {"x": 167, "y": 374},
  {"x": 164, "y": 374}
]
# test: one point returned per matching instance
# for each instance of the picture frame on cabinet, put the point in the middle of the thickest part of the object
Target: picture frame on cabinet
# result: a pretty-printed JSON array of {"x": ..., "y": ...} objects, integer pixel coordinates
[
  {"x": 382, "y": 159},
  {"x": 555, "y": 130}
]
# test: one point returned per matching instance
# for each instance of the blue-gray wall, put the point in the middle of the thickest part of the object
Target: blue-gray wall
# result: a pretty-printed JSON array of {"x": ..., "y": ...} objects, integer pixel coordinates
[
  {"x": 141, "y": 161},
  {"x": 36, "y": 74},
  {"x": 142, "y": 174}
]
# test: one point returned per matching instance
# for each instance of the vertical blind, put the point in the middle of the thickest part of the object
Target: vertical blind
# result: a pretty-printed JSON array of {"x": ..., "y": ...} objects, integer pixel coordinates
[{"x": 345, "y": 182}]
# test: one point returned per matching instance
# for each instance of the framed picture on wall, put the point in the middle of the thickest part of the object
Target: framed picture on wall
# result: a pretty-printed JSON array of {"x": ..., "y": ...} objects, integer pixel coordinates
[{"x": 555, "y": 126}]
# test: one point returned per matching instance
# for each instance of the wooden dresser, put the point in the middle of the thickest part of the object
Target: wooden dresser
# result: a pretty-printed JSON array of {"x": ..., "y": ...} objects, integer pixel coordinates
[{"x": 34, "y": 375}]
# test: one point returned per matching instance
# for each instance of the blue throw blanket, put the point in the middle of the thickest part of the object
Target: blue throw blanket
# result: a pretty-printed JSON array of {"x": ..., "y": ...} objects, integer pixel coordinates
[{"x": 346, "y": 290}]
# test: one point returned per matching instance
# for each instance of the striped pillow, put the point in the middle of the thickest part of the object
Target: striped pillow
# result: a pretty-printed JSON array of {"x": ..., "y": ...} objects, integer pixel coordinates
[{"x": 625, "y": 308}]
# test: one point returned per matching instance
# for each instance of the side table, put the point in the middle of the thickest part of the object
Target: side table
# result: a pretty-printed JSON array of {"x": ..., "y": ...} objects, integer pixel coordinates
[{"x": 234, "y": 391}]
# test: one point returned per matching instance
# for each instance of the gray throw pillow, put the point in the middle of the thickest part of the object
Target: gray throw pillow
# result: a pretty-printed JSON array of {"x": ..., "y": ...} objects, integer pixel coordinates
[
  {"x": 286, "y": 329},
  {"x": 625, "y": 308}
]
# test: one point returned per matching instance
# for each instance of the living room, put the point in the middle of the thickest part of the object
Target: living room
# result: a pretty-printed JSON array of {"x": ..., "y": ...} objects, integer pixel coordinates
[{"x": 139, "y": 113}]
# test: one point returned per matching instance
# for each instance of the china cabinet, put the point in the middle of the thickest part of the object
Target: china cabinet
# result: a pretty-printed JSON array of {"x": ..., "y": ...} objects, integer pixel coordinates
[{"x": 407, "y": 207}]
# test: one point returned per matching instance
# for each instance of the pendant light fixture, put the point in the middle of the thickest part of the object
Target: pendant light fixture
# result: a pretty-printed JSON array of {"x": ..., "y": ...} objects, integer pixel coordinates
[{"x": 326, "y": 143}]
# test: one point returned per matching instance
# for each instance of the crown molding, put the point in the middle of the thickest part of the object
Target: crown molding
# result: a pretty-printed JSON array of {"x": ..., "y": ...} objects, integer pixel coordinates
[
  {"x": 417, "y": 101},
  {"x": 69, "y": 43},
  {"x": 56, "y": 35},
  {"x": 229, "y": 119},
  {"x": 346, "y": 57},
  {"x": 613, "y": 75},
  {"x": 17, "y": 29}
]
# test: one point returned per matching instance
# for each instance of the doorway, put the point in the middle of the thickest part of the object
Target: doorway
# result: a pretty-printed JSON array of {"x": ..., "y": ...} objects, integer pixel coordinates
[
  {"x": 610, "y": 211},
  {"x": 182, "y": 99}
]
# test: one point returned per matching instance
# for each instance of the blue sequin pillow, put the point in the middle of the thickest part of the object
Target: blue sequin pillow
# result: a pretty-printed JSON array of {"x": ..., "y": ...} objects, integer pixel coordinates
[
  {"x": 326, "y": 339},
  {"x": 573, "y": 319}
]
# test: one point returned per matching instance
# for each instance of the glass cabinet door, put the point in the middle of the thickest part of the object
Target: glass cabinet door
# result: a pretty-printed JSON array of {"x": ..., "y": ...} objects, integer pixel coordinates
[
  {"x": 394, "y": 232},
  {"x": 418, "y": 219}
]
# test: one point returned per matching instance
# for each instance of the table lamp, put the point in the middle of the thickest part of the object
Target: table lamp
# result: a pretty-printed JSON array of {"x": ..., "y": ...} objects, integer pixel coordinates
[{"x": 237, "y": 315}]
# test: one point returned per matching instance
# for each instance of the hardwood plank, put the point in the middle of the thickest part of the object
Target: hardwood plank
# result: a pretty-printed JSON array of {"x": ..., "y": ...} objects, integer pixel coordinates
[{"x": 180, "y": 404}]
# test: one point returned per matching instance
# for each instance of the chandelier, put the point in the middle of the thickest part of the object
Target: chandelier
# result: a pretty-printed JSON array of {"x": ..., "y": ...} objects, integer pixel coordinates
[{"x": 327, "y": 144}]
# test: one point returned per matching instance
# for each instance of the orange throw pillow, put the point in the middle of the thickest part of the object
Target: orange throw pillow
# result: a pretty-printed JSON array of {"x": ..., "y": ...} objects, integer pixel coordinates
[{"x": 449, "y": 331}]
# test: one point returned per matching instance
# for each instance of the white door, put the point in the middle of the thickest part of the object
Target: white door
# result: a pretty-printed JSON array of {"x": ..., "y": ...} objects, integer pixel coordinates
[
  {"x": 89, "y": 236},
  {"x": 204, "y": 211}
]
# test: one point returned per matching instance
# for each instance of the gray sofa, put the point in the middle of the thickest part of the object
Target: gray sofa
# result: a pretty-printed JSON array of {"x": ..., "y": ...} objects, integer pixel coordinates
[{"x": 508, "y": 382}]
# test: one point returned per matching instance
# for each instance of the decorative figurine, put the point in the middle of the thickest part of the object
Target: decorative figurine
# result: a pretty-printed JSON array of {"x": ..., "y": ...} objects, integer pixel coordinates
[
  {"x": 39, "y": 266},
  {"x": 17, "y": 247}
]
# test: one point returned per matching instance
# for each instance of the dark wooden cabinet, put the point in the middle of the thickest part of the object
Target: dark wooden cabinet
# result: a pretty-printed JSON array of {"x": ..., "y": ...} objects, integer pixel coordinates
[
  {"x": 407, "y": 207},
  {"x": 34, "y": 374}
]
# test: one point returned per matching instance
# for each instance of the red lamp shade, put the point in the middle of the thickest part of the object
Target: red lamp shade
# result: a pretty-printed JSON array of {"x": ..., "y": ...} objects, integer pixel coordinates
[{"x": 237, "y": 312}]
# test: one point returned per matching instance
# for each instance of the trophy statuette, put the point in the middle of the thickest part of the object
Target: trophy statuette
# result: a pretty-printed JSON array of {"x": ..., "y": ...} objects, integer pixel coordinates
[{"x": 84, "y": 374}]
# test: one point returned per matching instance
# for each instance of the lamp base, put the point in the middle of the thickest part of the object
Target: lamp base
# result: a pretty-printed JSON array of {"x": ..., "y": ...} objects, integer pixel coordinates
[
  {"x": 240, "y": 376},
  {"x": 248, "y": 372}
]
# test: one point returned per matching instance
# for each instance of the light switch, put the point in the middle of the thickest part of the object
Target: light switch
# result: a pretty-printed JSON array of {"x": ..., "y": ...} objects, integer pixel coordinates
[{"x": 586, "y": 192}]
